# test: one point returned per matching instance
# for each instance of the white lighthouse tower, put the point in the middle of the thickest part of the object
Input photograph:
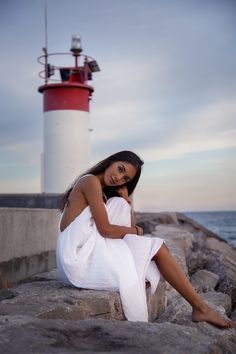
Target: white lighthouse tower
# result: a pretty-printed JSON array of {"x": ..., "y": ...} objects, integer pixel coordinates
[{"x": 66, "y": 119}]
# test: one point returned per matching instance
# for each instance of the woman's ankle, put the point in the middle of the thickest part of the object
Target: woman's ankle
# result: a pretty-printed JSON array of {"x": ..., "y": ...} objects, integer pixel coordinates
[{"x": 200, "y": 307}]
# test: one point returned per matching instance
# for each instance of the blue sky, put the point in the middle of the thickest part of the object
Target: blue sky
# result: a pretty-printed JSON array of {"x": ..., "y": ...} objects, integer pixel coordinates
[{"x": 166, "y": 90}]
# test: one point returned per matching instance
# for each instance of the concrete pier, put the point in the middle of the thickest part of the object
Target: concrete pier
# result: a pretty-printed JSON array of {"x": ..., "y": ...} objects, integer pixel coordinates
[{"x": 28, "y": 241}]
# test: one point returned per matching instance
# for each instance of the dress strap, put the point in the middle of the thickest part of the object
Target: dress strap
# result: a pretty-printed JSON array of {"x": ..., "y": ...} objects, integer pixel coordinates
[{"x": 88, "y": 174}]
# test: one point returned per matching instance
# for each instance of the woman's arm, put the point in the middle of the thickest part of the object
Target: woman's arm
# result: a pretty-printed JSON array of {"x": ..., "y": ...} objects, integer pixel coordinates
[{"x": 91, "y": 188}]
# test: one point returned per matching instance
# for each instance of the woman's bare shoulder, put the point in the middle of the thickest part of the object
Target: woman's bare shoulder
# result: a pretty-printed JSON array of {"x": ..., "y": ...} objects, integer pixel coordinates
[
  {"x": 87, "y": 180},
  {"x": 88, "y": 184}
]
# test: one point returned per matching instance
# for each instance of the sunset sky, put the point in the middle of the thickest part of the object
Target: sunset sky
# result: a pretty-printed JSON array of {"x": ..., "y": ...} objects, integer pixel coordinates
[{"x": 166, "y": 90}]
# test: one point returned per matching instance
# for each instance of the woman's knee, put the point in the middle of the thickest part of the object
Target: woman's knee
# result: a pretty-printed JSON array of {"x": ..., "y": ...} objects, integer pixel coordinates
[
  {"x": 118, "y": 211},
  {"x": 162, "y": 252},
  {"x": 117, "y": 201}
]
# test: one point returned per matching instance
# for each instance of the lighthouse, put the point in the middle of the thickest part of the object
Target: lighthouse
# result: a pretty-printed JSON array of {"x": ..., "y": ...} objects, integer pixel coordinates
[{"x": 66, "y": 99}]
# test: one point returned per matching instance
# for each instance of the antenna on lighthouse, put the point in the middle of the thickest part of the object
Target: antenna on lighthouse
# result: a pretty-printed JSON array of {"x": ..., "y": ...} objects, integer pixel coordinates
[
  {"x": 45, "y": 49},
  {"x": 46, "y": 24}
]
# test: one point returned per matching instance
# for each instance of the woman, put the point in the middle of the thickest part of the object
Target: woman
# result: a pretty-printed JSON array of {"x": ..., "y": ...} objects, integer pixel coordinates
[{"x": 100, "y": 247}]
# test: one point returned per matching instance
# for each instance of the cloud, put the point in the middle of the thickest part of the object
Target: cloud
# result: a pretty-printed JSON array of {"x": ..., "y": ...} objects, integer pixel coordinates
[
  {"x": 200, "y": 134},
  {"x": 26, "y": 185},
  {"x": 166, "y": 90},
  {"x": 211, "y": 127}
]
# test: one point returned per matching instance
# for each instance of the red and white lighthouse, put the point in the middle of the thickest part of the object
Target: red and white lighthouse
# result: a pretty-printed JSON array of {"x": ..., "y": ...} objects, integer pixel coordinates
[{"x": 66, "y": 119}]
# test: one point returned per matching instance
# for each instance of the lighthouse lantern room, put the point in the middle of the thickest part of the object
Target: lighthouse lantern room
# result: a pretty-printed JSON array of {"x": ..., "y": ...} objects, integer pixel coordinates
[{"x": 66, "y": 118}]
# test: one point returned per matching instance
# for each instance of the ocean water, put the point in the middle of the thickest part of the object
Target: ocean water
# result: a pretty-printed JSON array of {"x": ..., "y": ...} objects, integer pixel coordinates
[{"x": 223, "y": 223}]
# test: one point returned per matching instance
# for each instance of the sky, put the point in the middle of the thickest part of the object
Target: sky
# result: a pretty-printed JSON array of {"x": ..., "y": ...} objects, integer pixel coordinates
[{"x": 166, "y": 90}]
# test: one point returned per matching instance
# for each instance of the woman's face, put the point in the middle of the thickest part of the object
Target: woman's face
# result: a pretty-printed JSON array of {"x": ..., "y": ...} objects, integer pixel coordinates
[{"x": 118, "y": 173}]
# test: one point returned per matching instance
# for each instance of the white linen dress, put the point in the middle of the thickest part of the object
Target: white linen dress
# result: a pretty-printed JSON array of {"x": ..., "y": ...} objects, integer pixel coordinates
[{"x": 88, "y": 260}]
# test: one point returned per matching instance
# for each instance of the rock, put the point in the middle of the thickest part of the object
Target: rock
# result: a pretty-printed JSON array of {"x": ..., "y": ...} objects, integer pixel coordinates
[
  {"x": 220, "y": 258},
  {"x": 217, "y": 299},
  {"x": 31, "y": 335},
  {"x": 211, "y": 262},
  {"x": 46, "y": 317},
  {"x": 168, "y": 218},
  {"x": 49, "y": 299},
  {"x": 51, "y": 275},
  {"x": 197, "y": 229},
  {"x": 175, "y": 242},
  {"x": 179, "y": 243},
  {"x": 204, "y": 280},
  {"x": 4, "y": 283},
  {"x": 195, "y": 261},
  {"x": 7, "y": 294},
  {"x": 233, "y": 316},
  {"x": 172, "y": 234},
  {"x": 217, "y": 257},
  {"x": 179, "y": 311},
  {"x": 227, "y": 256},
  {"x": 149, "y": 221},
  {"x": 157, "y": 302}
]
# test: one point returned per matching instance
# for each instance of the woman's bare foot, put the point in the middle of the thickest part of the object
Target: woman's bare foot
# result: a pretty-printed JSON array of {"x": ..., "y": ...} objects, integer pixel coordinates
[{"x": 211, "y": 316}]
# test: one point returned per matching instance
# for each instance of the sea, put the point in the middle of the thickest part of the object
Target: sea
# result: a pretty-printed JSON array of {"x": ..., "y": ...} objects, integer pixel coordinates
[{"x": 222, "y": 223}]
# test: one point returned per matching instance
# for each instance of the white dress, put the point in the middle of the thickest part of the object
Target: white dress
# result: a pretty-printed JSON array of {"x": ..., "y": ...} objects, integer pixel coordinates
[{"x": 88, "y": 260}]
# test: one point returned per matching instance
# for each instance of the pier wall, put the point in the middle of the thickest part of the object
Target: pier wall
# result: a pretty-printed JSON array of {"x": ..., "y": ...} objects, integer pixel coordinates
[
  {"x": 28, "y": 241},
  {"x": 30, "y": 200}
]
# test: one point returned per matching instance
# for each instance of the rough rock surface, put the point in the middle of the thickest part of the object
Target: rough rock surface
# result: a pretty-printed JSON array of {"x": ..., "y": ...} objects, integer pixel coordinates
[
  {"x": 45, "y": 297},
  {"x": 179, "y": 243},
  {"x": 179, "y": 311},
  {"x": 204, "y": 281},
  {"x": 24, "y": 334},
  {"x": 218, "y": 257},
  {"x": 42, "y": 316}
]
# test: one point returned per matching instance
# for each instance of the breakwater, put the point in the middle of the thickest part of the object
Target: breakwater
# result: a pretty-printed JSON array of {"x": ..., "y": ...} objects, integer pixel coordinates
[{"x": 40, "y": 315}]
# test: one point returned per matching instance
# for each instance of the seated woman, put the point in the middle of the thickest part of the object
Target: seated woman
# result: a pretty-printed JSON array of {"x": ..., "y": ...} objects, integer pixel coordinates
[{"x": 99, "y": 246}]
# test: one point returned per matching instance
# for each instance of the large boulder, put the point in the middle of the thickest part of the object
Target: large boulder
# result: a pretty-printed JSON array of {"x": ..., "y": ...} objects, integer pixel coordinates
[
  {"x": 22, "y": 334},
  {"x": 44, "y": 297},
  {"x": 172, "y": 235},
  {"x": 204, "y": 281},
  {"x": 217, "y": 299},
  {"x": 233, "y": 316},
  {"x": 149, "y": 221},
  {"x": 195, "y": 228},
  {"x": 218, "y": 257},
  {"x": 179, "y": 311},
  {"x": 227, "y": 256},
  {"x": 179, "y": 243}
]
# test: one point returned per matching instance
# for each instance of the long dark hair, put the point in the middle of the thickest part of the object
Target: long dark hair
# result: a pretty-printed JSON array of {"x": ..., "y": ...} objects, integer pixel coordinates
[{"x": 100, "y": 167}]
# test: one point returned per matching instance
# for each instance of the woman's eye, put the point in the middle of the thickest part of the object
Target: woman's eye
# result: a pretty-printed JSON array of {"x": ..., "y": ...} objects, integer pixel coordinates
[
  {"x": 121, "y": 169},
  {"x": 126, "y": 179}
]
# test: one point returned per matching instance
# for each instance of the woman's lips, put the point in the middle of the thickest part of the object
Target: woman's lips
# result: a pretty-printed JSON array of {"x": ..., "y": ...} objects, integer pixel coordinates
[{"x": 112, "y": 180}]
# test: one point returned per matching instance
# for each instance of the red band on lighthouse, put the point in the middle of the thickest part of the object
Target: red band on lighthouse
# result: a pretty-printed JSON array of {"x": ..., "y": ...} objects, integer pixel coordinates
[{"x": 66, "y": 96}]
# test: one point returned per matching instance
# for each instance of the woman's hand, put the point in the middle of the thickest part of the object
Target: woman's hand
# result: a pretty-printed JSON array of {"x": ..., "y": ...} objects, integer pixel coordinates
[
  {"x": 123, "y": 192},
  {"x": 139, "y": 230}
]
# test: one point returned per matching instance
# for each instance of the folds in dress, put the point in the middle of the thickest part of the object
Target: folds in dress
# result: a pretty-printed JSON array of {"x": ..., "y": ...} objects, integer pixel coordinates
[{"x": 88, "y": 260}]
